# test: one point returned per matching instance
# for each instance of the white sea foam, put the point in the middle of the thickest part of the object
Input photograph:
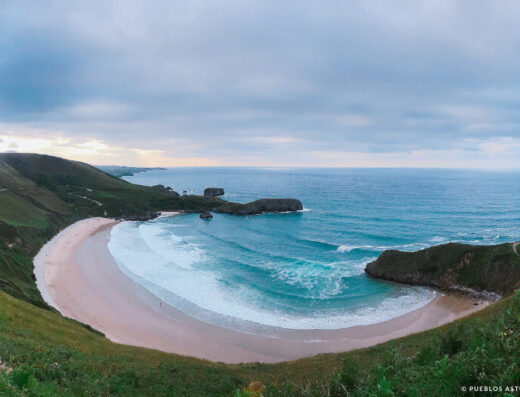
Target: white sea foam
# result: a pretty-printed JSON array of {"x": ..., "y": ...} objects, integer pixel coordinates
[
  {"x": 346, "y": 248},
  {"x": 170, "y": 246},
  {"x": 172, "y": 269},
  {"x": 328, "y": 280},
  {"x": 380, "y": 248}
]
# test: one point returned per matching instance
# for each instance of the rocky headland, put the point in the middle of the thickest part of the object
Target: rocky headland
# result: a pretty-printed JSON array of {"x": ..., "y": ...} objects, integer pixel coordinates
[
  {"x": 484, "y": 272},
  {"x": 205, "y": 215},
  {"x": 260, "y": 206},
  {"x": 213, "y": 192},
  {"x": 165, "y": 189}
]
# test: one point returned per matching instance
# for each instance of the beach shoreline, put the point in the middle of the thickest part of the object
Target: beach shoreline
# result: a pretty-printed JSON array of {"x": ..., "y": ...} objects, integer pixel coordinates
[{"x": 77, "y": 275}]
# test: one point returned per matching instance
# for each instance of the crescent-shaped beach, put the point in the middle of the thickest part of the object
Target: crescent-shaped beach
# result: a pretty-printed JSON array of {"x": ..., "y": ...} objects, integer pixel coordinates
[{"x": 77, "y": 275}]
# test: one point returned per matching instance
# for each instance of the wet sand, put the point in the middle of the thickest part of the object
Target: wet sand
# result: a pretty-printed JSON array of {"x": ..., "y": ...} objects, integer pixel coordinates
[{"x": 77, "y": 275}]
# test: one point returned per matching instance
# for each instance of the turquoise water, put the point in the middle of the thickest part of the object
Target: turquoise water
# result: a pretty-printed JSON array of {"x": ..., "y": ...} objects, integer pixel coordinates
[{"x": 305, "y": 270}]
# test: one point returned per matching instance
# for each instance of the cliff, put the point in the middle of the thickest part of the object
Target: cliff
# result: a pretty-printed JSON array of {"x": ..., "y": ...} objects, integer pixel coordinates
[
  {"x": 213, "y": 191},
  {"x": 455, "y": 267},
  {"x": 260, "y": 206}
]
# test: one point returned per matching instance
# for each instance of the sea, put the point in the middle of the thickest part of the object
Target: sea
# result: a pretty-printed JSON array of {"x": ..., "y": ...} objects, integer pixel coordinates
[{"x": 305, "y": 270}]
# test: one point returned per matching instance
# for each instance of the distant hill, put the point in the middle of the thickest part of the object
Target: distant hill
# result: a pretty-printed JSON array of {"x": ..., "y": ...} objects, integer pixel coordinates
[
  {"x": 39, "y": 195},
  {"x": 120, "y": 171}
]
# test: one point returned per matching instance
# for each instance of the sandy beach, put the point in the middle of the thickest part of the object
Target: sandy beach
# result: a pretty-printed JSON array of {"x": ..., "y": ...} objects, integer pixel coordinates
[{"x": 77, "y": 275}]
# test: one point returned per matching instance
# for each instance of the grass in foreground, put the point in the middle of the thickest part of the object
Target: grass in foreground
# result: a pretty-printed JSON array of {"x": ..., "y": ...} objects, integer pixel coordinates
[
  {"x": 483, "y": 350},
  {"x": 44, "y": 354}
]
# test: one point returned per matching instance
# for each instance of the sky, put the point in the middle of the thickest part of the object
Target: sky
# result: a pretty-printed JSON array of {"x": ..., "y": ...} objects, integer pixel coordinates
[{"x": 263, "y": 83}]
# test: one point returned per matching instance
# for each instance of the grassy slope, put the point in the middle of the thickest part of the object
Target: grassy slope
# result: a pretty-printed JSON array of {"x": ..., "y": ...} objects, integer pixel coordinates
[
  {"x": 88, "y": 364},
  {"x": 52, "y": 355},
  {"x": 39, "y": 195},
  {"x": 80, "y": 185}
]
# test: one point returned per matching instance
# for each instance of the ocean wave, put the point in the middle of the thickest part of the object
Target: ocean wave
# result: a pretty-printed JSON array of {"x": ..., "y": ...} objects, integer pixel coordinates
[
  {"x": 229, "y": 313},
  {"x": 317, "y": 243},
  {"x": 347, "y": 248},
  {"x": 381, "y": 248},
  {"x": 438, "y": 239},
  {"x": 149, "y": 254},
  {"x": 206, "y": 301},
  {"x": 435, "y": 240},
  {"x": 172, "y": 248}
]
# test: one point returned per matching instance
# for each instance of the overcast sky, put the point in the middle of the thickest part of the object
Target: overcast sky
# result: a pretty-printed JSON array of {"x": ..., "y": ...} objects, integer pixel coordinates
[{"x": 282, "y": 83}]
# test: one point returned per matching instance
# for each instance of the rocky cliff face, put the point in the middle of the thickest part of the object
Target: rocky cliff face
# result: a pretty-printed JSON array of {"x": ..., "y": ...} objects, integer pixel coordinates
[
  {"x": 261, "y": 206},
  {"x": 205, "y": 215},
  {"x": 166, "y": 189},
  {"x": 453, "y": 267},
  {"x": 213, "y": 191}
]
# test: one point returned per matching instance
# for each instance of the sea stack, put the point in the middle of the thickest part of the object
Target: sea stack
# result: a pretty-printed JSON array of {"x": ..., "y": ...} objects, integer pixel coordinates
[
  {"x": 205, "y": 215},
  {"x": 213, "y": 191}
]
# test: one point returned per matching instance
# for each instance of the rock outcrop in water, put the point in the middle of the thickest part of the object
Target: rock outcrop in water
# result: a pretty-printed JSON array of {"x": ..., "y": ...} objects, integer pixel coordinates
[
  {"x": 481, "y": 271},
  {"x": 261, "y": 206},
  {"x": 205, "y": 215},
  {"x": 213, "y": 192}
]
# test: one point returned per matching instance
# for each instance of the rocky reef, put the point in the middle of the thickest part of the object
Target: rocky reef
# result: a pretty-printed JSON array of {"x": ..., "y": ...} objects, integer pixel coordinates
[
  {"x": 261, "y": 206},
  {"x": 205, "y": 215},
  {"x": 484, "y": 272},
  {"x": 213, "y": 192}
]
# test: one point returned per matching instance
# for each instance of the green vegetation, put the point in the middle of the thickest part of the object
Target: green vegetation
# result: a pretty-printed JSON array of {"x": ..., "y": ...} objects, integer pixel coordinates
[
  {"x": 480, "y": 351},
  {"x": 40, "y": 195},
  {"x": 63, "y": 358},
  {"x": 452, "y": 266},
  {"x": 17, "y": 213},
  {"x": 45, "y": 354}
]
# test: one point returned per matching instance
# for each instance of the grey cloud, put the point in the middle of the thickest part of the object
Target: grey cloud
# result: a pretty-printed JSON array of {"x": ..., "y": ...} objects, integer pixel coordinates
[{"x": 223, "y": 76}]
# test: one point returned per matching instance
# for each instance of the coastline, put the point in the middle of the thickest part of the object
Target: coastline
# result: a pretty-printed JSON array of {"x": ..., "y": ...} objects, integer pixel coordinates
[{"x": 77, "y": 275}]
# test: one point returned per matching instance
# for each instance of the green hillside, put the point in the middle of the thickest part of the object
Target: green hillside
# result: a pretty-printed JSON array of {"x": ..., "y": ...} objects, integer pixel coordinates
[
  {"x": 452, "y": 266},
  {"x": 45, "y": 354},
  {"x": 39, "y": 195},
  {"x": 51, "y": 356},
  {"x": 87, "y": 191}
]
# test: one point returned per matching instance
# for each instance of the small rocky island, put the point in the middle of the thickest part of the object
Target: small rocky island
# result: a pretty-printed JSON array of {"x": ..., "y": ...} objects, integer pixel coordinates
[
  {"x": 484, "y": 272},
  {"x": 260, "y": 206},
  {"x": 252, "y": 208},
  {"x": 205, "y": 215},
  {"x": 213, "y": 192}
]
